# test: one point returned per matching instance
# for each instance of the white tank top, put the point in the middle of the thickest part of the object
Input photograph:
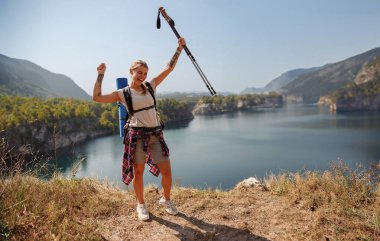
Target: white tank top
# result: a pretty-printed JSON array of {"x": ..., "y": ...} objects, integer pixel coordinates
[{"x": 144, "y": 118}]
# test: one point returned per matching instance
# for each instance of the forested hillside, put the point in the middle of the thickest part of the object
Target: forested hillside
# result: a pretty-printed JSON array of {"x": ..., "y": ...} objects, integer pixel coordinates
[
  {"x": 16, "y": 111},
  {"x": 46, "y": 125},
  {"x": 30, "y": 124}
]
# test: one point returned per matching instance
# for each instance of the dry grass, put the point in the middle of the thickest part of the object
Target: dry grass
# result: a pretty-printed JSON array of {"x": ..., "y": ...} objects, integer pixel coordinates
[
  {"x": 54, "y": 208},
  {"x": 57, "y": 208},
  {"x": 338, "y": 204},
  {"x": 346, "y": 202}
]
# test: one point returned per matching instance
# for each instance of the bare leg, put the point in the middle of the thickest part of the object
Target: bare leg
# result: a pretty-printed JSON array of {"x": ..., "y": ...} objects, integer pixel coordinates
[
  {"x": 166, "y": 180},
  {"x": 138, "y": 184}
]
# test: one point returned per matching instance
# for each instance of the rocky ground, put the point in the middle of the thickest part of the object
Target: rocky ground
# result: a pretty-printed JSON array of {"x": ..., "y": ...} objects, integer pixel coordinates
[{"x": 244, "y": 213}]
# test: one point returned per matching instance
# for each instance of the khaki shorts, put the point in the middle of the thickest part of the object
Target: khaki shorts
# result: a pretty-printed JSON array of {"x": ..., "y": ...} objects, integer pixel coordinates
[{"x": 154, "y": 147}]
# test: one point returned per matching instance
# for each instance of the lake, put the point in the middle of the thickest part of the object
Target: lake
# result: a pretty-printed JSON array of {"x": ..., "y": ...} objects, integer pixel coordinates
[{"x": 219, "y": 151}]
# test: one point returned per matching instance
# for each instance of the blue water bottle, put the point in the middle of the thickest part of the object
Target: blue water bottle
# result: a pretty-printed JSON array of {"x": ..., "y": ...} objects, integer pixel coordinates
[{"x": 123, "y": 115}]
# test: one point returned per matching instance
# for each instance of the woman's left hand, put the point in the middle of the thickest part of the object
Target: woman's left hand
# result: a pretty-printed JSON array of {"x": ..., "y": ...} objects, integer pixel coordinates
[{"x": 181, "y": 43}]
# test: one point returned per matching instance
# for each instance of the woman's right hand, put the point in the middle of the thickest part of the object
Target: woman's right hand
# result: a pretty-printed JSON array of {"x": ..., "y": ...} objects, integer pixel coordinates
[
  {"x": 181, "y": 43},
  {"x": 102, "y": 68}
]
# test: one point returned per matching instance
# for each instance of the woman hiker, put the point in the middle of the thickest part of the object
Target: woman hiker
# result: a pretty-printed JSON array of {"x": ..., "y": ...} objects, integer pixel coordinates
[{"x": 144, "y": 141}]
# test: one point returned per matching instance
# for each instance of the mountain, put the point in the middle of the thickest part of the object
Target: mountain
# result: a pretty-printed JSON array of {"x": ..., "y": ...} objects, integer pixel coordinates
[
  {"x": 286, "y": 78},
  {"x": 311, "y": 86},
  {"x": 361, "y": 94},
  {"x": 24, "y": 78},
  {"x": 281, "y": 81},
  {"x": 252, "y": 90},
  {"x": 370, "y": 72}
]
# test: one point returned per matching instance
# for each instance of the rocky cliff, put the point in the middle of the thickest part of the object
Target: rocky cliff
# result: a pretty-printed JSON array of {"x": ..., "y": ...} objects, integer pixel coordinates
[
  {"x": 369, "y": 73},
  {"x": 43, "y": 138},
  {"x": 362, "y": 94}
]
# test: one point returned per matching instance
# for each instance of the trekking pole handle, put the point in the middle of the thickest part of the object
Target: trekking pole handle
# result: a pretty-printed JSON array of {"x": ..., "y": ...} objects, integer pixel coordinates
[
  {"x": 171, "y": 24},
  {"x": 165, "y": 15},
  {"x": 169, "y": 20}
]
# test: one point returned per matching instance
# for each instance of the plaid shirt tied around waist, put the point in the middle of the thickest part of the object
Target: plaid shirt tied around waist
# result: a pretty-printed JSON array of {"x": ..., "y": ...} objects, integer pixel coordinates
[{"x": 130, "y": 148}]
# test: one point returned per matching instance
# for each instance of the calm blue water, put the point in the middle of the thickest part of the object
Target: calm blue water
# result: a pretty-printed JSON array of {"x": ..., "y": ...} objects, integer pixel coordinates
[{"x": 219, "y": 151}]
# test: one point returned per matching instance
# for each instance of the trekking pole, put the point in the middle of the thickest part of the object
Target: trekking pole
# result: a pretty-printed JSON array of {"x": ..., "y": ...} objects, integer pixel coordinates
[{"x": 197, "y": 67}]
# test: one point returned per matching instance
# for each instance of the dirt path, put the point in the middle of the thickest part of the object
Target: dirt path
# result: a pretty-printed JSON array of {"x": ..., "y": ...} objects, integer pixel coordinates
[{"x": 240, "y": 214}]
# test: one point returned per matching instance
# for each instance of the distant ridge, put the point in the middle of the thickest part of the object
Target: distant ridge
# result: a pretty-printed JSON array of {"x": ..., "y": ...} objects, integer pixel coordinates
[
  {"x": 24, "y": 78},
  {"x": 286, "y": 78},
  {"x": 311, "y": 86},
  {"x": 281, "y": 81},
  {"x": 252, "y": 90}
]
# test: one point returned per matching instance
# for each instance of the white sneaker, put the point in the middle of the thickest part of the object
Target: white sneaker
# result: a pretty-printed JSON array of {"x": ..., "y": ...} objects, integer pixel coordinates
[
  {"x": 142, "y": 212},
  {"x": 169, "y": 206}
]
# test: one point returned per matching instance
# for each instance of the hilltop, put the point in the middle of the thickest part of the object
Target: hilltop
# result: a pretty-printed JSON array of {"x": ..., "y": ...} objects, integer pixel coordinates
[
  {"x": 338, "y": 204},
  {"x": 107, "y": 213}
]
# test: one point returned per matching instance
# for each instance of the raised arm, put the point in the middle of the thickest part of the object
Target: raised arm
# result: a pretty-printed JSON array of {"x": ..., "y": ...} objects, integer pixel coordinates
[
  {"x": 169, "y": 68},
  {"x": 97, "y": 93}
]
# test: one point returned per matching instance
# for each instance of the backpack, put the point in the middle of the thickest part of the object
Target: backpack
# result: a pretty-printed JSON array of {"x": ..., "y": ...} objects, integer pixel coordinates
[{"x": 131, "y": 111}]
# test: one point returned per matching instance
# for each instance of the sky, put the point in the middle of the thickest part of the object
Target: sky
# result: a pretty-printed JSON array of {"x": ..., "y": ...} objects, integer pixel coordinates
[{"x": 238, "y": 44}]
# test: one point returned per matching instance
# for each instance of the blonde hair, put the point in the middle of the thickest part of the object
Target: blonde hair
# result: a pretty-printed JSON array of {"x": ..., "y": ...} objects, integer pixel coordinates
[{"x": 136, "y": 64}]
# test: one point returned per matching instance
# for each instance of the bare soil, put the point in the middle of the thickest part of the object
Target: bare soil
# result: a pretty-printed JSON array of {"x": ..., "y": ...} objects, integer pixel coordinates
[{"x": 240, "y": 214}]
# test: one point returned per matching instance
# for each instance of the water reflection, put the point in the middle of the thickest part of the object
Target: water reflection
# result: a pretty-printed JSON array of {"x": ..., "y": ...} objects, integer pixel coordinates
[
  {"x": 177, "y": 125},
  {"x": 221, "y": 150},
  {"x": 66, "y": 159}
]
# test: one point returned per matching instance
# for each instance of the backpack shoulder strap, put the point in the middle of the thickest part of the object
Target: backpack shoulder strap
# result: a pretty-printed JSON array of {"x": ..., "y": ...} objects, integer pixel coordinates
[
  {"x": 150, "y": 89},
  {"x": 128, "y": 100}
]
